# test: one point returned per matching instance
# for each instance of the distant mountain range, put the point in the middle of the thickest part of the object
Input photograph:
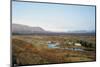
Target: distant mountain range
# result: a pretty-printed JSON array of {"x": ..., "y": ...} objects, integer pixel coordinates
[
  {"x": 83, "y": 31},
  {"x": 24, "y": 29}
]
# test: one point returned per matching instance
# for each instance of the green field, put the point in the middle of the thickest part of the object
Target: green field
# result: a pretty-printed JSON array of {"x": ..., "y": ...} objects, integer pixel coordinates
[{"x": 33, "y": 49}]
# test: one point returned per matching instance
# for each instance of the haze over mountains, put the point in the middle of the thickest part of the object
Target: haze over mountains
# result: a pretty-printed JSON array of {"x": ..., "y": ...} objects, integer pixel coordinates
[{"x": 24, "y": 29}]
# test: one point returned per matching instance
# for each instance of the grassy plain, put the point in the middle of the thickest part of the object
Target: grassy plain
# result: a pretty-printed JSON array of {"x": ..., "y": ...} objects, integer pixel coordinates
[{"x": 33, "y": 49}]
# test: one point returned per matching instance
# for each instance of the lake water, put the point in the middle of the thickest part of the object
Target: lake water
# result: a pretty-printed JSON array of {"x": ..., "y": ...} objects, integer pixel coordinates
[{"x": 52, "y": 45}]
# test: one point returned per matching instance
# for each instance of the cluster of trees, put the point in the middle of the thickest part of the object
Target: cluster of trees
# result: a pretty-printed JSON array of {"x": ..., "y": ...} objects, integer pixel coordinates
[{"x": 87, "y": 44}]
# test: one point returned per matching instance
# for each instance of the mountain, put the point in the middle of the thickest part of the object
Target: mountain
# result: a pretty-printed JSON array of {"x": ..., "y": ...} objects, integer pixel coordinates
[
  {"x": 23, "y": 29},
  {"x": 82, "y": 31}
]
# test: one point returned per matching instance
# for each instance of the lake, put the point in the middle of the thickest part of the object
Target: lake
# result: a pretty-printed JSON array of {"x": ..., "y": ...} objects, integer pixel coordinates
[{"x": 54, "y": 45}]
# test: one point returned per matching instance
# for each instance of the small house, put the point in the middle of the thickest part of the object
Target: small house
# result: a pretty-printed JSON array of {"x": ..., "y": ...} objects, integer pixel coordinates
[{"x": 77, "y": 44}]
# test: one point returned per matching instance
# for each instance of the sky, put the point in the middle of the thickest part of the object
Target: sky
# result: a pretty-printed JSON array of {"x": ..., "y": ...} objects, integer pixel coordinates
[{"x": 54, "y": 17}]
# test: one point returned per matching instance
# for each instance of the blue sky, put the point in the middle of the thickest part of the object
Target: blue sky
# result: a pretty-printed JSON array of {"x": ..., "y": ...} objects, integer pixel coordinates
[{"x": 54, "y": 17}]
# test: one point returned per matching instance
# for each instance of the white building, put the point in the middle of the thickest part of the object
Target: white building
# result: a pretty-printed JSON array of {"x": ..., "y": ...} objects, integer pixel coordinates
[{"x": 77, "y": 44}]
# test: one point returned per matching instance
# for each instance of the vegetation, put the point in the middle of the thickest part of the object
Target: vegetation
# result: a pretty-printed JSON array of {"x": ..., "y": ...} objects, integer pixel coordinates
[{"x": 33, "y": 49}]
